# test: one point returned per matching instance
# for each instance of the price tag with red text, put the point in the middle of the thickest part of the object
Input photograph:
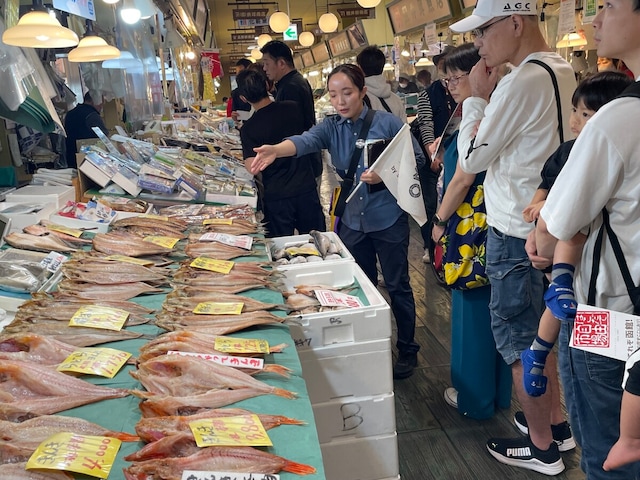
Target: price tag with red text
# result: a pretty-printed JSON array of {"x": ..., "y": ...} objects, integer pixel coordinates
[
  {"x": 219, "y": 308},
  {"x": 96, "y": 316},
  {"x": 243, "y": 430},
  {"x": 241, "y": 345},
  {"x": 220, "y": 266},
  {"x": 329, "y": 298},
  {"x": 167, "y": 242},
  {"x": 241, "y": 241},
  {"x": 85, "y": 454},
  {"x": 228, "y": 360},
  {"x": 105, "y": 362}
]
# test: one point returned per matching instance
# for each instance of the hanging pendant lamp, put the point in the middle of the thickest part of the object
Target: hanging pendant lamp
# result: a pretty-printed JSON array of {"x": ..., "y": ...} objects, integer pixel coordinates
[
  {"x": 279, "y": 22},
  {"x": 328, "y": 22},
  {"x": 306, "y": 39},
  {"x": 368, "y": 3},
  {"x": 92, "y": 48},
  {"x": 38, "y": 29},
  {"x": 129, "y": 12}
]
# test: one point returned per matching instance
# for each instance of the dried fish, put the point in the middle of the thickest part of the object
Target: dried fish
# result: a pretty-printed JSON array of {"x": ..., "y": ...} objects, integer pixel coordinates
[
  {"x": 78, "y": 336},
  {"x": 43, "y": 228},
  {"x": 216, "y": 324},
  {"x": 174, "y": 303},
  {"x": 119, "y": 291},
  {"x": 47, "y": 243},
  {"x": 126, "y": 244},
  {"x": 18, "y": 471},
  {"x": 219, "y": 251}
]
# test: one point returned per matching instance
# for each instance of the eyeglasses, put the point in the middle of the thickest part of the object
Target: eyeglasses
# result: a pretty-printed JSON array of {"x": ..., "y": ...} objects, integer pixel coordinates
[
  {"x": 453, "y": 81},
  {"x": 480, "y": 31}
]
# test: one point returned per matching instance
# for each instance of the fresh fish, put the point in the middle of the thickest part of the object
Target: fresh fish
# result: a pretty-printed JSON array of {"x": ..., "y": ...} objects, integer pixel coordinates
[
  {"x": 165, "y": 405},
  {"x": 298, "y": 259},
  {"x": 216, "y": 324},
  {"x": 152, "y": 429},
  {"x": 298, "y": 301},
  {"x": 47, "y": 243},
  {"x": 78, "y": 336},
  {"x": 220, "y": 459},
  {"x": 179, "y": 375},
  {"x": 321, "y": 241},
  {"x": 43, "y": 390},
  {"x": 118, "y": 243},
  {"x": 18, "y": 471},
  {"x": 36, "y": 430},
  {"x": 119, "y": 291}
]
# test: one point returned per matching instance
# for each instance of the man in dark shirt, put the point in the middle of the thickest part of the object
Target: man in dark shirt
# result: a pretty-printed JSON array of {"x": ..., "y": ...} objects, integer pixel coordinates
[
  {"x": 235, "y": 103},
  {"x": 290, "y": 196},
  {"x": 78, "y": 124},
  {"x": 277, "y": 61}
]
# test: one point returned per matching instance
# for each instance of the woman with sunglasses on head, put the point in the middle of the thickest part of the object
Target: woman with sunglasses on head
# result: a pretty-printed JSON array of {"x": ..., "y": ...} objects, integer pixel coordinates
[
  {"x": 372, "y": 226},
  {"x": 481, "y": 379}
]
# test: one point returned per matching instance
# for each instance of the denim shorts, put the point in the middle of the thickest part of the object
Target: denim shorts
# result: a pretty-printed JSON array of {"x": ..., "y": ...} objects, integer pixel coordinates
[{"x": 516, "y": 294}]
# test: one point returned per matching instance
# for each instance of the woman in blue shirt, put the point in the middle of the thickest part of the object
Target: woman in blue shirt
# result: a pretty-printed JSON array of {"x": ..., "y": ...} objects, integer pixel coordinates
[{"x": 372, "y": 225}]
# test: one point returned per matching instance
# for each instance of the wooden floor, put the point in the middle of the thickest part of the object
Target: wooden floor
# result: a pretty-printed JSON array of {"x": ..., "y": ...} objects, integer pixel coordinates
[{"x": 434, "y": 440}]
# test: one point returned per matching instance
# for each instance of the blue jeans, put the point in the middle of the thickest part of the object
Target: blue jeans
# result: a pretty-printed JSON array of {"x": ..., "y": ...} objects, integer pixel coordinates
[
  {"x": 592, "y": 387},
  {"x": 516, "y": 294},
  {"x": 391, "y": 247}
]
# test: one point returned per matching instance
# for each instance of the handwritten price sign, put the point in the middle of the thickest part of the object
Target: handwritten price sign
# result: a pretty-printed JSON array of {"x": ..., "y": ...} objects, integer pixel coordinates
[
  {"x": 241, "y": 345},
  {"x": 218, "y": 221},
  {"x": 105, "y": 362},
  {"x": 243, "y": 430},
  {"x": 202, "y": 475},
  {"x": 95, "y": 316},
  {"x": 329, "y": 298},
  {"x": 228, "y": 360},
  {"x": 89, "y": 455},
  {"x": 220, "y": 266},
  {"x": 219, "y": 308},
  {"x": 167, "y": 242},
  {"x": 240, "y": 241}
]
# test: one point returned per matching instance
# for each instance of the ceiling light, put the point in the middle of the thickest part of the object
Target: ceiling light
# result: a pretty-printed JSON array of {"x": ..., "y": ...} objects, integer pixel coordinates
[
  {"x": 191, "y": 55},
  {"x": 147, "y": 8},
  {"x": 405, "y": 53},
  {"x": 314, "y": 73},
  {"x": 38, "y": 29},
  {"x": 256, "y": 54},
  {"x": 424, "y": 62},
  {"x": 110, "y": 1},
  {"x": 279, "y": 22},
  {"x": 328, "y": 22},
  {"x": 368, "y": 3},
  {"x": 387, "y": 67},
  {"x": 573, "y": 39},
  {"x": 129, "y": 12},
  {"x": 264, "y": 39},
  {"x": 93, "y": 49},
  {"x": 306, "y": 39}
]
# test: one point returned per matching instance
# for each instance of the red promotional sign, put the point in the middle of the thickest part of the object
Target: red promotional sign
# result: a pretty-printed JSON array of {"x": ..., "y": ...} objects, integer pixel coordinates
[{"x": 212, "y": 59}]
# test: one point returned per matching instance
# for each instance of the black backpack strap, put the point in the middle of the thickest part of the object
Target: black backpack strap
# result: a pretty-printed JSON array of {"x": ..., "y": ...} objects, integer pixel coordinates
[
  {"x": 557, "y": 93},
  {"x": 632, "y": 90},
  {"x": 385, "y": 105}
]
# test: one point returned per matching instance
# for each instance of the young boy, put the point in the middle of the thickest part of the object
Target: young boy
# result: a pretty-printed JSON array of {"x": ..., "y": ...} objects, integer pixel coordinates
[{"x": 588, "y": 98}]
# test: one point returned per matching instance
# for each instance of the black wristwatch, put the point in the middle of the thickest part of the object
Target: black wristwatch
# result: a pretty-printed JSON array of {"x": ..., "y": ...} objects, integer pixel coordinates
[{"x": 438, "y": 221}]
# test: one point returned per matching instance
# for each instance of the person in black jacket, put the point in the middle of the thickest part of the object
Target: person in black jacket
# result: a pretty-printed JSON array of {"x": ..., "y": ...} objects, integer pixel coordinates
[
  {"x": 78, "y": 124},
  {"x": 277, "y": 61}
]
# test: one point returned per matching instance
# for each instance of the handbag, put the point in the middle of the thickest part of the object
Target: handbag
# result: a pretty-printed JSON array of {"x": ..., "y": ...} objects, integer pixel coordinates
[
  {"x": 340, "y": 194},
  {"x": 464, "y": 241}
]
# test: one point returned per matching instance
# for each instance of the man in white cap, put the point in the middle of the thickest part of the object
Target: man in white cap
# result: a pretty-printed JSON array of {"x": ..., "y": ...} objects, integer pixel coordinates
[{"x": 519, "y": 125}]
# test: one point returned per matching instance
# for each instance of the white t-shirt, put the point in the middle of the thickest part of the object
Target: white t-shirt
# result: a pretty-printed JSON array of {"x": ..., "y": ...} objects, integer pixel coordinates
[
  {"x": 603, "y": 169},
  {"x": 517, "y": 133}
]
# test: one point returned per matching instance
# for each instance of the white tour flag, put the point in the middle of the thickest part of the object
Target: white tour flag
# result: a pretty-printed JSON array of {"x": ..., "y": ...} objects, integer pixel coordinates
[{"x": 397, "y": 168}]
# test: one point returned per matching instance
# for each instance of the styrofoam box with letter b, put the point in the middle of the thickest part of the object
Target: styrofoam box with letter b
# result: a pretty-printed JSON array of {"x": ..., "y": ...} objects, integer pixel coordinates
[
  {"x": 355, "y": 417},
  {"x": 353, "y": 370},
  {"x": 367, "y": 458},
  {"x": 359, "y": 324}
]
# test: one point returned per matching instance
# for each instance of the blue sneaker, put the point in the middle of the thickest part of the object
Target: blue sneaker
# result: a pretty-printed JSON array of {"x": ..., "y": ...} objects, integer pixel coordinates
[{"x": 534, "y": 384}]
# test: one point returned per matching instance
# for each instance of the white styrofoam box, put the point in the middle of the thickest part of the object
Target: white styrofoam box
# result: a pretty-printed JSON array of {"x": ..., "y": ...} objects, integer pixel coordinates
[
  {"x": 21, "y": 220},
  {"x": 97, "y": 227},
  {"x": 351, "y": 370},
  {"x": 313, "y": 330},
  {"x": 252, "y": 201},
  {"x": 295, "y": 240},
  {"x": 59, "y": 196},
  {"x": 367, "y": 458},
  {"x": 355, "y": 417},
  {"x": 122, "y": 214}
]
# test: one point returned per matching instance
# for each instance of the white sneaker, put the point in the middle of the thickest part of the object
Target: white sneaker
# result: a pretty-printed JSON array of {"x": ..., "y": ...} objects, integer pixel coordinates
[
  {"x": 451, "y": 397},
  {"x": 426, "y": 258}
]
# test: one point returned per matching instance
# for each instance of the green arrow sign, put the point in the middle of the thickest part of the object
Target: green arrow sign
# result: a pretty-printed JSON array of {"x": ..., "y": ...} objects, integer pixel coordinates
[{"x": 291, "y": 33}]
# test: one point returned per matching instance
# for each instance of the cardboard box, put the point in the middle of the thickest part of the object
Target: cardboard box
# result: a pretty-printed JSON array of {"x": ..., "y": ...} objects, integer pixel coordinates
[
  {"x": 346, "y": 326},
  {"x": 368, "y": 458},
  {"x": 21, "y": 220},
  {"x": 284, "y": 242},
  {"x": 39, "y": 194},
  {"x": 355, "y": 417},
  {"x": 353, "y": 370}
]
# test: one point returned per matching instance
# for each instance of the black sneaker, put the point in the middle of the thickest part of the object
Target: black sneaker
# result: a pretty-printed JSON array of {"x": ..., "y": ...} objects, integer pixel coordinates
[
  {"x": 521, "y": 452},
  {"x": 405, "y": 365},
  {"x": 561, "y": 433}
]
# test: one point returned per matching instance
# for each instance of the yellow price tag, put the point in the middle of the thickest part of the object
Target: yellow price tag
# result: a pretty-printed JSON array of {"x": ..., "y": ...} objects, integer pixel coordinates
[
  {"x": 218, "y": 221},
  {"x": 74, "y": 232},
  {"x": 220, "y": 266},
  {"x": 125, "y": 259},
  {"x": 85, "y": 454},
  {"x": 243, "y": 430},
  {"x": 105, "y": 362},
  {"x": 164, "y": 218},
  {"x": 96, "y": 316},
  {"x": 219, "y": 308},
  {"x": 168, "y": 242},
  {"x": 302, "y": 250},
  {"x": 241, "y": 345}
]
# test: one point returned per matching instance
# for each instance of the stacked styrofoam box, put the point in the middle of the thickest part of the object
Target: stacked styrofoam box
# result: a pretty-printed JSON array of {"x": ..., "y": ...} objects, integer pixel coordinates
[{"x": 346, "y": 362}]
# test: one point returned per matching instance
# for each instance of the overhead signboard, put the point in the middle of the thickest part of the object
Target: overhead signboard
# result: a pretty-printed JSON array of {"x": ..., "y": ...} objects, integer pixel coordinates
[
  {"x": 320, "y": 52},
  {"x": 339, "y": 44},
  {"x": 201, "y": 18},
  {"x": 250, "y": 13},
  {"x": 357, "y": 12},
  {"x": 297, "y": 62},
  {"x": 243, "y": 37},
  {"x": 356, "y": 35},
  {"x": 407, "y": 15},
  {"x": 252, "y": 22},
  {"x": 291, "y": 33},
  {"x": 307, "y": 58},
  {"x": 81, "y": 8}
]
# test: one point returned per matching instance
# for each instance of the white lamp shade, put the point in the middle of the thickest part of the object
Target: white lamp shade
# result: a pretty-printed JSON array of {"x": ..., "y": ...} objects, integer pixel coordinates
[
  {"x": 125, "y": 60},
  {"x": 93, "y": 49},
  {"x": 264, "y": 39},
  {"x": 368, "y": 3},
  {"x": 256, "y": 54},
  {"x": 424, "y": 62},
  {"x": 328, "y": 22},
  {"x": 129, "y": 12},
  {"x": 147, "y": 8},
  {"x": 279, "y": 22},
  {"x": 306, "y": 39},
  {"x": 110, "y": 1},
  {"x": 572, "y": 40},
  {"x": 39, "y": 30}
]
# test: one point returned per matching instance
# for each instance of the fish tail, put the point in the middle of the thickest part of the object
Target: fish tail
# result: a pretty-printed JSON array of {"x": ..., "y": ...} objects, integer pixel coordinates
[
  {"x": 298, "y": 468},
  {"x": 123, "y": 436},
  {"x": 277, "y": 369},
  {"x": 282, "y": 420},
  {"x": 281, "y": 392},
  {"x": 277, "y": 348}
]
